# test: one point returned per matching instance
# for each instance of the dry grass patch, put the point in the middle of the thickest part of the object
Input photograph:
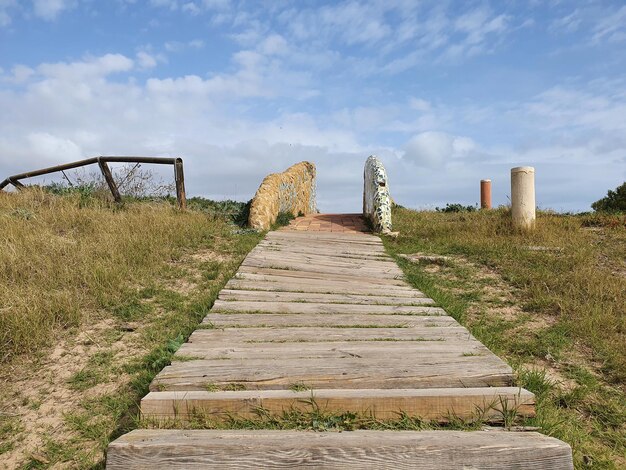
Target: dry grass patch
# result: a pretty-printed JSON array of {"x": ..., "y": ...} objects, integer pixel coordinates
[
  {"x": 96, "y": 299},
  {"x": 550, "y": 302}
]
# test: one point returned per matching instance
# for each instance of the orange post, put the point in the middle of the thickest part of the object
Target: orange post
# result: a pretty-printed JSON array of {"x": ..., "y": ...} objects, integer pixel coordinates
[{"x": 485, "y": 194}]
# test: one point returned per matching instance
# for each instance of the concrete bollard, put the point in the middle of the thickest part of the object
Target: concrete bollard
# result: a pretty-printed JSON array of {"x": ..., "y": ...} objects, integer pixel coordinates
[
  {"x": 485, "y": 194},
  {"x": 523, "y": 197}
]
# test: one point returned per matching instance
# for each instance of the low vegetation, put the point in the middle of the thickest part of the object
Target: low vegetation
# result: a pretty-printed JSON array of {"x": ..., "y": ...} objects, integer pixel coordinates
[
  {"x": 94, "y": 300},
  {"x": 551, "y": 302},
  {"x": 614, "y": 201}
]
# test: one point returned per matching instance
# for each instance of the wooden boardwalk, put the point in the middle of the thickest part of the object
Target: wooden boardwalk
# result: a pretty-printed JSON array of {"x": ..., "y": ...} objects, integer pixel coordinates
[{"x": 326, "y": 314}]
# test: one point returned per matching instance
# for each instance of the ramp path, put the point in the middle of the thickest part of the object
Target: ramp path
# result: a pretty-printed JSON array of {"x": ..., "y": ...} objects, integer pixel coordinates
[{"x": 319, "y": 312}]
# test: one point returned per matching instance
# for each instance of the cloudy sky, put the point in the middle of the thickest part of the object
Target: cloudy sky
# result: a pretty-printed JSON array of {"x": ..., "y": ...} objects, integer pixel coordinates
[{"x": 444, "y": 92}]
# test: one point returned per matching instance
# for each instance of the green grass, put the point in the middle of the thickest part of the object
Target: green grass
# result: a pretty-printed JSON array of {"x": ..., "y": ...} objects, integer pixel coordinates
[
  {"x": 98, "y": 265},
  {"x": 566, "y": 342}
]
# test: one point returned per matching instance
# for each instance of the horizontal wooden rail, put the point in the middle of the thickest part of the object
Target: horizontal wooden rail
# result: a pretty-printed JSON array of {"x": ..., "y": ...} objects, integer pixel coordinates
[{"x": 106, "y": 172}]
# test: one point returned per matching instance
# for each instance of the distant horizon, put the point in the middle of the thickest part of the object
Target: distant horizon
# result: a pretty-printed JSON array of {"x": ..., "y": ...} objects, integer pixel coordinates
[
  {"x": 431, "y": 206},
  {"x": 445, "y": 93}
]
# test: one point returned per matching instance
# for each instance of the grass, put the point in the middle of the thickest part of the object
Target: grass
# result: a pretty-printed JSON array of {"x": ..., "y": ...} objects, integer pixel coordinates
[
  {"x": 117, "y": 303},
  {"x": 311, "y": 414},
  {"x": 84, "y": 254},
  {"x": 561, "y": 322}
]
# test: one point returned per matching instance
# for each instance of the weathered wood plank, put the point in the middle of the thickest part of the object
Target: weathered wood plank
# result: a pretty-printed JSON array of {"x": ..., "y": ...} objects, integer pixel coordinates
[
  {"x": 274, "y": 284},
  {"x": 486, "y": 403},
  {"x": 309, "y": 350},
  {"x": 344, "y": 320},
  {"x": 390, "y": 273},
  {"x": 349, "y": 372},
  {"x": 357, "y": 242},
  {"x": 322, "y": 308},
  {"x": 328, "y": 260},
  {"x": 353, "y": 278},
  {"x": 329, "y": 334},
  {"x": 260, "y": 296},
  {"x": 179, "y": 449},
  {"x": 328, "y": 238},
  {"x": 307, "y": 249}
]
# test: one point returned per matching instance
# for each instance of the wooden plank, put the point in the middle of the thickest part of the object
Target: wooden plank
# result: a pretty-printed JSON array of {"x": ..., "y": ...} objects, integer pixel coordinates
[
  {"x": 352, "y": 278},
  {"x": 305, "y": 249},
  {"x": 322, "y": 249},
  {"x": 217, "y": 449},
  {"x": 329, "y": 282},
  {"x": 322, "y": 308},
  {"x": 246, "y": 320},
  {"x": 268, "y": 283},
  {"x": 304, "y": 334},
  {"x": 350, "y": 372},
  {"x": 360, "y": 271},
  {"x": 322, "y": 246},
  {"x": 389, "y": 350},
  {"x": 260, "y": 296},
  {"x": 331, "y": 259},
  {"x": 328, "y": 264},
  {"x": 327, "y": 238},
  {"x": 486, "y": 403}
]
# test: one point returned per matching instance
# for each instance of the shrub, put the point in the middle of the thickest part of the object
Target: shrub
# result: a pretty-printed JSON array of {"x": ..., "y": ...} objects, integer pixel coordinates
[
  {"x": 615, "y": 201},
  {"x": 456, "y": 208}
]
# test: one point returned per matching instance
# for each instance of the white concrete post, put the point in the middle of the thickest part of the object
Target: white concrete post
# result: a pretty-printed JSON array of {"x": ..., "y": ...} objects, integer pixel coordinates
[{"x": 523, "y": 197}]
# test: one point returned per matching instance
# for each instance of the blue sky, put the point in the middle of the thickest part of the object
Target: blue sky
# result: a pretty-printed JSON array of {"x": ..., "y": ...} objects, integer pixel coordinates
[{"x": 444, "y": 92}]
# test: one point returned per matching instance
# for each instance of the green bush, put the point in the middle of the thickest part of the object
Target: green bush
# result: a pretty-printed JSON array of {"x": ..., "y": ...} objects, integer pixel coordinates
[
  {"x": 615, "y": 201},
  {"x": 456, "y": 208},
  {"x": 282, "y": 219}
]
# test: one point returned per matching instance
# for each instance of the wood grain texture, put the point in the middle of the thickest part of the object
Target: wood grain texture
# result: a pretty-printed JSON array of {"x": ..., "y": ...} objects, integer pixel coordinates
[
  {"x": 221, "y": 306},
  {"x": 309, "y": 297},
  {"x": 151, "y": 449},
  {"x": 344, "y": 269},
  {"x": 309, "y": 350},
  {"x": 342, "y": 373},
  {"x": 286, "y": 320},
  {"x": 330, "y": 251},
  {"x": 273, "y": 284},
  {"x": 329, "y": 334},
  {"x": 324, "y": 260},
  {"x": 440, "y": 404},
  {"x": 351, "y": 277}
]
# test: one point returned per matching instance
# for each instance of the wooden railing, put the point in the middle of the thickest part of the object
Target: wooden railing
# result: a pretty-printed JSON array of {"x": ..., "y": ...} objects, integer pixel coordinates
[{"x": 102, "y": 161}]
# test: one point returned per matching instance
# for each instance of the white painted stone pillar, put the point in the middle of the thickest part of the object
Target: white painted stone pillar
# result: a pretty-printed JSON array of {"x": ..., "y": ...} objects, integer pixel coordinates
[{"x": 523, "y": 197}]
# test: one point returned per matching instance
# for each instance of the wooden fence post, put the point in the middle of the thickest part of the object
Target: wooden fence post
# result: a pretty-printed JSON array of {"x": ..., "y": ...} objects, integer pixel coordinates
[
  {"x": 108, "y": 176},
  {"x": 179, "y": 176}
]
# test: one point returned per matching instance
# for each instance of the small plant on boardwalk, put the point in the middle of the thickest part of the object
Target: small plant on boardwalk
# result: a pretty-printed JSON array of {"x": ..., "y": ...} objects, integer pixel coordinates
[
  {"x": 299, "y": 387},
  {"x": 282, "y": 220}
]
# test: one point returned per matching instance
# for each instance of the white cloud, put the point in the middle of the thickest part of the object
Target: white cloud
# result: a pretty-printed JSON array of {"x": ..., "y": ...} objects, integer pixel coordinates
[
  {"x": 50, "y": 9},
  {"x": 5, "y": 8},
  {"x": 419, "y": 104},
  {"x": 43, "y": 145},
  {"x": 169, "y": 4},
  {"x": 434, "y": 149},
  {"x": 568, "y": 23},
  {"x": 274, "y": 44},
  {"x": 19, "y": 74},
  {"x": 612, "y": 27},
  {"x": 178, "y": 46},
  {"x": 146, "y": 60}
]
